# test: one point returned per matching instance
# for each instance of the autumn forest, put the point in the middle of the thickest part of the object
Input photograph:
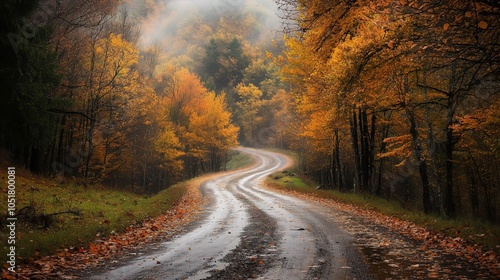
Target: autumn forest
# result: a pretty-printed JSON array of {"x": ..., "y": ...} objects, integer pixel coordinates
[{"x": 394, "y": 98}]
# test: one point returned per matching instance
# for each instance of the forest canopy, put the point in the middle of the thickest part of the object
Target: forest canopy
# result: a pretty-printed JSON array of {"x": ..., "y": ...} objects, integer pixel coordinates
[{"x": 86, "y": 98}]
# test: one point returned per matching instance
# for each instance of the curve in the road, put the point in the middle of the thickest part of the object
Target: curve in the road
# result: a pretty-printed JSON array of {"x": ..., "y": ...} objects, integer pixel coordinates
[{"x": 310, "y": 245}]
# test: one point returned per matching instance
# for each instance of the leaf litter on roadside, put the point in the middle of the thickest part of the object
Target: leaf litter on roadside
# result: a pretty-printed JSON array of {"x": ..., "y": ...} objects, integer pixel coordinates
[
  {"x": 69, "y": 262},
  {"x": 398, "y": 249}
]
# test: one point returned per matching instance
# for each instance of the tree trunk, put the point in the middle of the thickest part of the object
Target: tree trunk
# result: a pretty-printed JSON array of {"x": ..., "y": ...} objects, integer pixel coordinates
[
  {"x": 363, "y": 127},
  {"x": 378, "y": 185},
  {"x": 417, "y": 151},
  {"x": 421, "y": 162},
  {"x": 449, "y": 206},
  {"x": 433, "y": 150},
  {"x": 35, "y": 159},
  {"x": 355, "y": 145},
  {"x": 338, "y": 165},
  {"x": 371, "y": 159}
]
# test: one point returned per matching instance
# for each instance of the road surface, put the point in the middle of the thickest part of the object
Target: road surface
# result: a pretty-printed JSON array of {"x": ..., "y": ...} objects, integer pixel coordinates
[{"x": 251, "y": 232}]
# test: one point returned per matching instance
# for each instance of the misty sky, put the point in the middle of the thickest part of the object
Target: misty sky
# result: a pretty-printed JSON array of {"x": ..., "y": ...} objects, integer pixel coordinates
[{"x": 160, "y": 19}]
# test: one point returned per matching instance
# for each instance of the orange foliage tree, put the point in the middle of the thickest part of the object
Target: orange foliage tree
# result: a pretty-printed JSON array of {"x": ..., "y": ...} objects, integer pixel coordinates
[
  {"x": 399, "y": 82},
  {"x": 120, "y": 118},
  {"x": 200, "y": 120}
]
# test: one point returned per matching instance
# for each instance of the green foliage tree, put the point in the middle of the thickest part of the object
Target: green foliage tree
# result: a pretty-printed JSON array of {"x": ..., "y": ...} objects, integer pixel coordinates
[
  {"x": 223, "y": 64},
  {"x": 249, "y": 106}
]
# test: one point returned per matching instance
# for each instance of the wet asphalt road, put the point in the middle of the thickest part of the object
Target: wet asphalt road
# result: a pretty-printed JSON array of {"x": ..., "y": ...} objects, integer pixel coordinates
[{"x": 307, "y": 243}]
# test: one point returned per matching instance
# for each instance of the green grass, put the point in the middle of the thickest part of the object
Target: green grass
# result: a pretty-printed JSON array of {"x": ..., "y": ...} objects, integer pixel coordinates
[
  {"x": 473, "y": 230},
  {"x": 102, "y": 211},
  {"x": 238, "y": 160}
]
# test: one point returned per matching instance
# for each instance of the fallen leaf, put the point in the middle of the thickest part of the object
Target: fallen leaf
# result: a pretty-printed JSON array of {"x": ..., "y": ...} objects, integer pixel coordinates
[
  {"x": 93, "y": 249},
  {"x": 482, "y": 24},
  {"x": 433, "y": 275}
]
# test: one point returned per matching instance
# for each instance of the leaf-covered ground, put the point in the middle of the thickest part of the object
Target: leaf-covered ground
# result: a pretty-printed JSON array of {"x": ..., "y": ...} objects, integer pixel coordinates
[
  {"x": 393, "y": 248},
  {"x": 78, "y": 261},
  {"x": 69, "y": 263},
  {"x": 397, "y": 249}
]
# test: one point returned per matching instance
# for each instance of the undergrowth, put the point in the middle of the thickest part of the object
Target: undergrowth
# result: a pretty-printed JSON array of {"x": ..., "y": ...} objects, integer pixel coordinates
[
  {"x": 101, "y": 211},
  {"x": 473, "y": 230},
  {"x": 237, "y": 160}
]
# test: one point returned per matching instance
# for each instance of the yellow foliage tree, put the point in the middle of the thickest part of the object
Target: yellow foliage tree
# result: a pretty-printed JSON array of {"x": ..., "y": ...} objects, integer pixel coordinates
[
  {"x": 109, "y": 88},
  {"x": 249, "y": 106},
  {"x": 200, "y": 120},
  {"x": 210, "y": 133}
]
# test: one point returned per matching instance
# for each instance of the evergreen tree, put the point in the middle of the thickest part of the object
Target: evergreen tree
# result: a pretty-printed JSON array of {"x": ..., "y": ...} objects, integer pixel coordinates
[
  {"x": 27, "y": 78},
  {"x": 224, "y": 64}
]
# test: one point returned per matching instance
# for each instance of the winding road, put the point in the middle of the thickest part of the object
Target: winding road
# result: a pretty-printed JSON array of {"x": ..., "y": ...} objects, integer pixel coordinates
[{"x": 251, "y": 232}]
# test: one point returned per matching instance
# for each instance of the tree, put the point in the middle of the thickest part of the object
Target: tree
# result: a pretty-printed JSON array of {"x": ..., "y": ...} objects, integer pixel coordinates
[
  {"x": 200, "y": 118},
  {"x": 211, "y": 133},
  {"x": 459, "y": 61},
  {"x": 28, "y": 79},
  {"x": 249, "y": 106},
  {"x": 284, "y": 121},
  {"x": 366, "y": 64},
  {"x": 109, "y": 72},
  {"x": 223, "y": 64},
  {"x": 81, "y": 100},
  {"x": 77, "y": 26}
]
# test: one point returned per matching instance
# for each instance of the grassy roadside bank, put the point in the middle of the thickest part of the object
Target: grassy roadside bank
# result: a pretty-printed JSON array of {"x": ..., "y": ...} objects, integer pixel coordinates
[
  {"x": 237, "y": 160},
  {"x": 102, "y": 211},
  {"x": 473, "y": 230}
]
